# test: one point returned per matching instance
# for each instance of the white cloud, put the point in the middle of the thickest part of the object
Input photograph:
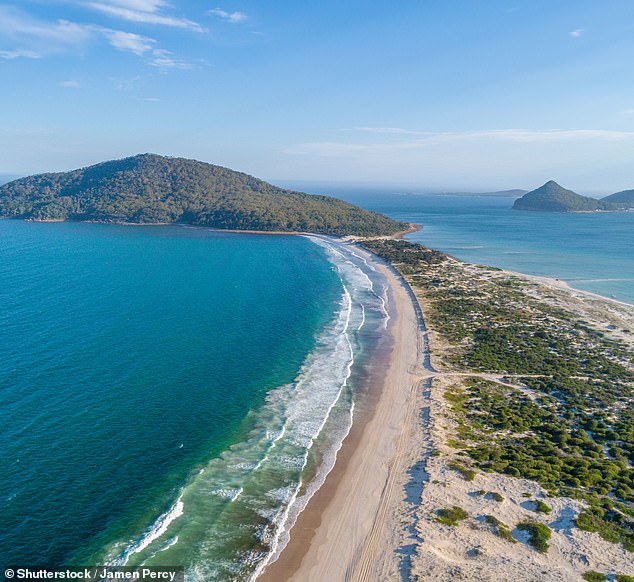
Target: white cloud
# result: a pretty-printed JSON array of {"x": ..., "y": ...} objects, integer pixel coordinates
[
  {"x": 232, "y": 17},
  {"x": 141, "y": 5},
  {"x": 70, "y": 84},
  {"x": 165, "y": 60},
  {"x": 147, "y": 14},
  {"x": 576, "y": 33},
  {"x": 16, "y": 25},
  {"x": 47, "y": 37},
  {"x": 425, "y": 140},
  {"x": 128, "y": 41},
  {"x": 19, "y": 53}
]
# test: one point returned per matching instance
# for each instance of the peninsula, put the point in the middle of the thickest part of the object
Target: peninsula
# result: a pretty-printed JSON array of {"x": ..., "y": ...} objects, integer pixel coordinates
[
  {"x": 500, "y": 448},
  {"x": 152, "y": 189}
]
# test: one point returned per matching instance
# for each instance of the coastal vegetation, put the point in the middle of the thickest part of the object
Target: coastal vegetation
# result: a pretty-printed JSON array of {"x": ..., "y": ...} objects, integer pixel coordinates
[
  {"x": 451, "y": 515},
  {"x": 541, "y": 507},
  {"x": 538, "y": 533},
  {"x": 499, "y": 528},
  {"x": 154, "y": 189},
  {"x": 467, "y": 473},
  {"x": 592, "y": 576},
  {"x": 539, "y": 393}
]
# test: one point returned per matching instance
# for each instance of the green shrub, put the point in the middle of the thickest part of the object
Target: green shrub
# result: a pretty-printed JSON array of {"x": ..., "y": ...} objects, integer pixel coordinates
[
  {"x": 500, "y": 529},
  {"x": 451, "y": 516},
  {"x": 592, "y": 576},
  {"x": 497, "y": 497},
  {"x": 467, "y": 474},
  {"x": 612, "y": 525},
  {"x": 539, "y": 534},
  {"x": 624, "y": 578},
  {"x": 542, "y": 507}
]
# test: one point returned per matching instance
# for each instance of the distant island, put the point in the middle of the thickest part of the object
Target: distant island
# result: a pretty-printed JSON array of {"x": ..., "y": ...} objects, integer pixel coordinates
[
  {"x": 151, "y": 189},
  {"x": 551, "y": 197}
]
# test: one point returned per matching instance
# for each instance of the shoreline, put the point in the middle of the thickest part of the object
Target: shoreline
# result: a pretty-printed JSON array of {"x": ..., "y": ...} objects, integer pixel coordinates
[
  {"x": 414, "y": 227},
  {"x": 563, "y": 285},
  {"x": 361, "y": 523},
  {"x": 336, "y": 536}
]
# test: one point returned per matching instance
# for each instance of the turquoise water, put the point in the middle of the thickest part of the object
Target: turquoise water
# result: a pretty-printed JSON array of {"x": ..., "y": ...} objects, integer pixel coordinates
[
  {"x": 170, "y": 395},
  {"x": 594, "y": 251}
]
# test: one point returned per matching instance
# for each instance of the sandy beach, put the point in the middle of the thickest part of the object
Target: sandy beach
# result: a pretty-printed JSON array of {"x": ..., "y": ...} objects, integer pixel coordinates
[
  {"x": 346, "y": 532},
  {"x": 375, "y": 517}
]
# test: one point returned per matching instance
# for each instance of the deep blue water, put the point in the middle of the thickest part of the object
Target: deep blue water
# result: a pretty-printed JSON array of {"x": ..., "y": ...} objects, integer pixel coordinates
[
  {"x": 164, "y": 392},
  {"x": 129, "y": 356}
]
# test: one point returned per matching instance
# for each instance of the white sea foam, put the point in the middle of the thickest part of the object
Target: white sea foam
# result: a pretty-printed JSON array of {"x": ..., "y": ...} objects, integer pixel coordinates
[
  {"x": 231, "y": 494},
  {"x": 283, "y": 522},
  {"x": 288, "y": 433},
  {"x": 159, "y": 527}
]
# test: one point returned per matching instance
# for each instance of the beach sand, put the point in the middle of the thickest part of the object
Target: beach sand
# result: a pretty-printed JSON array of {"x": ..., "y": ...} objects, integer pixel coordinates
[
  {"x": 374, "y": 518},
  {"x": 346, "y": 531}
]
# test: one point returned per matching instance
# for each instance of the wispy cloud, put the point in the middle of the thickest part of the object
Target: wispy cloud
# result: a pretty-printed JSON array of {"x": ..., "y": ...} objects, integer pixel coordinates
[
  {"x": 70, "y": 84},
  {"x": 576, "y": 33},
  {"x": 19, "y": 53},
  {"x": 52, "y": 37},
  {"x": 165, "y": 60},
  {"x": 232, "y": 17},
  {"x": 128, "y": 41},
  {"x": 143, "y": 11},
  {"x": 20, "y": 27},
  {"x": 422, "y": 140}
]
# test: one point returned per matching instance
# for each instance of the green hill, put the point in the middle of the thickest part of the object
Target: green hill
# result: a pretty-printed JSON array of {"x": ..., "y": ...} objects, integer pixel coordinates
[
  {"x": 551, "y": 197},
  {"x": 153, "y": 189},
  {"x": 624, "y": 199}
]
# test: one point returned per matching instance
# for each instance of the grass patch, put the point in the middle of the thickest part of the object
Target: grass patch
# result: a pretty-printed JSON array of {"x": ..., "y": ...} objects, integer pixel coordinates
[
  {"x": 500, "y": 529},
  {"x": 624, "y": 578},
  {"x": 592, "y": 576},
  {"x": 467, "y": 474},
  {"x": 542, "y": 507},
  {"x": 612, "y": 525},
  {"x": 539, "y": 535},
  {"x": 451, "y": 516}
]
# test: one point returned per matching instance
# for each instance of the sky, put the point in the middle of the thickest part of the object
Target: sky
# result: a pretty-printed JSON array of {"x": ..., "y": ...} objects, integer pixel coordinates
[{"x": 430, "y": 94}]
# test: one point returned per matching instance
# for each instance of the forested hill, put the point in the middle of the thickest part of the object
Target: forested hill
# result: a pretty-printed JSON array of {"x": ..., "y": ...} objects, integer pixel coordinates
[
  {"x": 154, "y": 189},
  {"x": 551, "y": 197},
  {"x": 624, "y": 199}
]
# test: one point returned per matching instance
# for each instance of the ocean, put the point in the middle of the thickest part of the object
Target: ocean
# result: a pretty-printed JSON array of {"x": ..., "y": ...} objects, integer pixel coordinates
[
  {"x": 173, "y": 396},
  {"x": 590, "y": 251}
]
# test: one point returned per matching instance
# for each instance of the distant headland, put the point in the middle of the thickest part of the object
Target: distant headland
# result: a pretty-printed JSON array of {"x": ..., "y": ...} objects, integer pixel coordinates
[
  {"x": 551, "y": 197},
  {"x": 152, "y": 189}
]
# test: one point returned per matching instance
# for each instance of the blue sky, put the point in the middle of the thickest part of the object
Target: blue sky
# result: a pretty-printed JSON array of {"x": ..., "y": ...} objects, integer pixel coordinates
[{"x": 430, "y": 93}]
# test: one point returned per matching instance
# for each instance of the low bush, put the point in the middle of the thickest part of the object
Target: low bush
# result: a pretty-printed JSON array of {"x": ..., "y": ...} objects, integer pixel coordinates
[
  {"x": 451, "y": 516},
  {"x": 539, "y": 535}
]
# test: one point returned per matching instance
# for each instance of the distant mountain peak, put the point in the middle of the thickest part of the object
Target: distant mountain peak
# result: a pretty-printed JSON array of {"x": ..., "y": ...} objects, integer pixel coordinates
[{"x": 552, "y": 197}]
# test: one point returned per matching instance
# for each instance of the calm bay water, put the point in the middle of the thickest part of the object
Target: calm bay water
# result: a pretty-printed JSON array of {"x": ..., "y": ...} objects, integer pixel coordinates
[
  {"x": 164, "y": 391},
  {"x": 593, "y": 251}
]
